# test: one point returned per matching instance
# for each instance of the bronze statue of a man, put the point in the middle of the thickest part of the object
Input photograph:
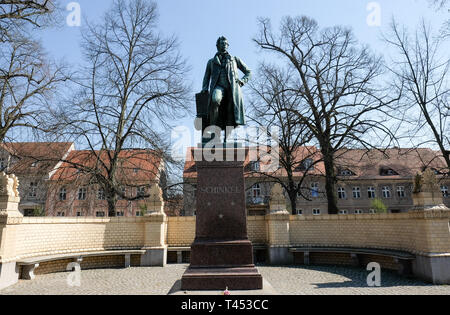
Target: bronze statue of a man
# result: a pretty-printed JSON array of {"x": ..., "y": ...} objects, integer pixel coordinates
[{"x": 226, "y": 106}]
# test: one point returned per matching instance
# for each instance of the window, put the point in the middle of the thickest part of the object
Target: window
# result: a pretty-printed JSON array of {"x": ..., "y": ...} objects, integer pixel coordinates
[
  {"x": 136, "y": 170},
  {"x": 343, "y": 212},
  {"x": 358, "y": 212},
  {"x": 138, "y": 213},
  {"x": 101, "y": 194},
  {"x": 372, "y": 211},
  {"x": 100, "y": 214},
  {"x": 33, "y": 190},
  {"x": 316, "y": 211},
  {"x": 315, "y": 190},
  {"x": 387, "y": 172},
  {"x": 82, "y": 193},
  {"x": 346, "y": 172},
  {"x": 79, "y": 214},
  {"x": 341, "y": 193},
  {"x": 255, "y": 166},
  {"x": 34, "y": 164},
  {"x": 371, "y": 192},
  {"x": 356, "y": 192},
  {"x": 2, "y": 164},
  {"x": 120, "y": 213},
  {"x": 386, "y": 192},
  {"x": 63, "y": 194},
  {"x": 445, "y": 192},
  {"x": 307, "y": 164},
  {"x": 256, "y": 194},
  {"x": 401, "y": 192},
  {"x": 141, "y": 191},
  {"x": 299, "y": 212},
  {"x": 256, "y": 191},
  {"x": 61, "y": 214}
]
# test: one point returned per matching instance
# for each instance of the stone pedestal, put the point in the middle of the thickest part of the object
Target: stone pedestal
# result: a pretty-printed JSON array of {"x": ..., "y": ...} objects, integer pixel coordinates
[
  {"x": 10, "y": 217},
  {"x": 222, "y": 254},
  {"x": 155, "y": 231}
]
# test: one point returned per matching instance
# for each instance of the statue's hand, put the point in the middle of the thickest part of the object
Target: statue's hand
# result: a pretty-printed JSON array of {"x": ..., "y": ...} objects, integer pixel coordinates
[{"x": 240, "y": 82}]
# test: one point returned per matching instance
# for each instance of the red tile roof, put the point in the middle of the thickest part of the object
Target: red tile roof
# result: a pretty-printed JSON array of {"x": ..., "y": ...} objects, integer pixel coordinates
[
  {"x": 36, "y": 158},
  {"x": 405, "y": 162},
  {"x": 365, "y": 164},
  {"x": 252, "y": 154},
  {"x": 135, "y": 166}
]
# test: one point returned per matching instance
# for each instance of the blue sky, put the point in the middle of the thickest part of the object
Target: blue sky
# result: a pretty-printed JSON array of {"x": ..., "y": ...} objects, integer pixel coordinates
[{"x": 198, "y": 24}]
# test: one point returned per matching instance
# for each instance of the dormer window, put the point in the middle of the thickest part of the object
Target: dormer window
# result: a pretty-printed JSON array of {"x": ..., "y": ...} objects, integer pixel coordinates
[
  {"x": 34, "y": 164},
  {"x": 255, "y": 166},
  {"x": 346, "y": 172},
  {"x": 435, "y": 171},
  {"x": 305, "y": 165},
  {"x": 141, "y": 191},
  {"x": 388, "y": 172}
]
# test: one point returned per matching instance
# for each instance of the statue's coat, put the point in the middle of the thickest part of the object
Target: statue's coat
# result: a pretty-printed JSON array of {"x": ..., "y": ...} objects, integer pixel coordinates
[{"x": 211, "y": 78}]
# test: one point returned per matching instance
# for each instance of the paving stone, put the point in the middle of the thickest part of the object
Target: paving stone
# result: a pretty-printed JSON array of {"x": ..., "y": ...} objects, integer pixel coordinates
[{"x": 329, "y": 280}]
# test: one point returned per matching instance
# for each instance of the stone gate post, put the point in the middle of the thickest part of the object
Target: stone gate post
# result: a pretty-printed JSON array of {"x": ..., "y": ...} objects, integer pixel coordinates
[{"x": 10, "y": 219}]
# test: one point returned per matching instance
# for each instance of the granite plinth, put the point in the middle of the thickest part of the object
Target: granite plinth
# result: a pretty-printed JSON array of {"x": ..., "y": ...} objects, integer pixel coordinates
[
  {"x": 222, "y": 254},
  {"x": 240, "y": 278},
  {"x": 218, "y": 253}
]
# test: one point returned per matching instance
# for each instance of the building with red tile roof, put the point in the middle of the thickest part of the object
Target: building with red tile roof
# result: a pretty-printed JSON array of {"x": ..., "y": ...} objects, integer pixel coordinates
[
  {"x": 75, "y": 189},
  {"x": 363, "y": 176},
  {"x": 34, "y": 163}
]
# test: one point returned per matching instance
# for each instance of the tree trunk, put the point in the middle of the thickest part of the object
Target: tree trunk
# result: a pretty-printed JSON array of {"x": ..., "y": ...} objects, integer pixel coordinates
[
  {"x": 112, "y": 200},
  {"x": 111, "y": 208},
  {"x": 330, "y": 182},
  {"x": 292, "y": 192},
  {"x": 293, "y": 199}
]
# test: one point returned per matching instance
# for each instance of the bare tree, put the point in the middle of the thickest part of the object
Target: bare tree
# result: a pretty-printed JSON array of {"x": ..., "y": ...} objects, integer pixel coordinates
[
  {"x": 273, "y": 104},
  {"x": 440, "y": 5},
  {"x": 27, "y": 79},
  {"x": 133, "y": 89},
  {"x": 27, "y": 83},
  {"x": 335, "y": 81},
  {"x": 421, "y": 69},
  {"x": 17, "y": 14}
]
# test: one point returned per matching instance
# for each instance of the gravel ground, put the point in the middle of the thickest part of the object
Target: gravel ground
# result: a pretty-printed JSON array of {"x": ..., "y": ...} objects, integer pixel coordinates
[{"x": 327, "y": 280}]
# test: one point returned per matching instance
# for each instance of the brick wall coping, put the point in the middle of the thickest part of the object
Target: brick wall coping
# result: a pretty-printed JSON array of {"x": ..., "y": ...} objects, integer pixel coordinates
[
  {"x": 431, "y": 214},
  {"x": 77, "y": 220}
]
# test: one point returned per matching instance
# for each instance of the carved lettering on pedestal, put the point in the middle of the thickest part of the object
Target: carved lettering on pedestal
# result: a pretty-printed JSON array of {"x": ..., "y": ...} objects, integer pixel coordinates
[{"x": 220, "y": 190}]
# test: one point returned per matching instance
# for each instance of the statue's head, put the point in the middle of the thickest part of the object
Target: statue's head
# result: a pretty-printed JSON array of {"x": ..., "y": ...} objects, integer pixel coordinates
[{"x": 222, "y": 44}]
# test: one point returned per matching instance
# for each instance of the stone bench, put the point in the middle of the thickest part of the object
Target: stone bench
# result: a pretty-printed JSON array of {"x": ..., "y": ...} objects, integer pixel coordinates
[
  {"x": 30, "y": 264},
  {"x": 403, "y": 259},
  {"x": 179, "y": 251}
]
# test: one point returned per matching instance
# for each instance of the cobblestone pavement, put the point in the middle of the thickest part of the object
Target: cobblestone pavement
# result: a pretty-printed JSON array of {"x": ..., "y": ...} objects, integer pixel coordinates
[{"x": 285, "y": 280}]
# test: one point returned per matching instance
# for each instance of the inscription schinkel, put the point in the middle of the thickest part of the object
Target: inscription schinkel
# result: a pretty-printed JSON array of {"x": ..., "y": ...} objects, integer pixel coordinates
[{"x": 220, "y": 190}]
